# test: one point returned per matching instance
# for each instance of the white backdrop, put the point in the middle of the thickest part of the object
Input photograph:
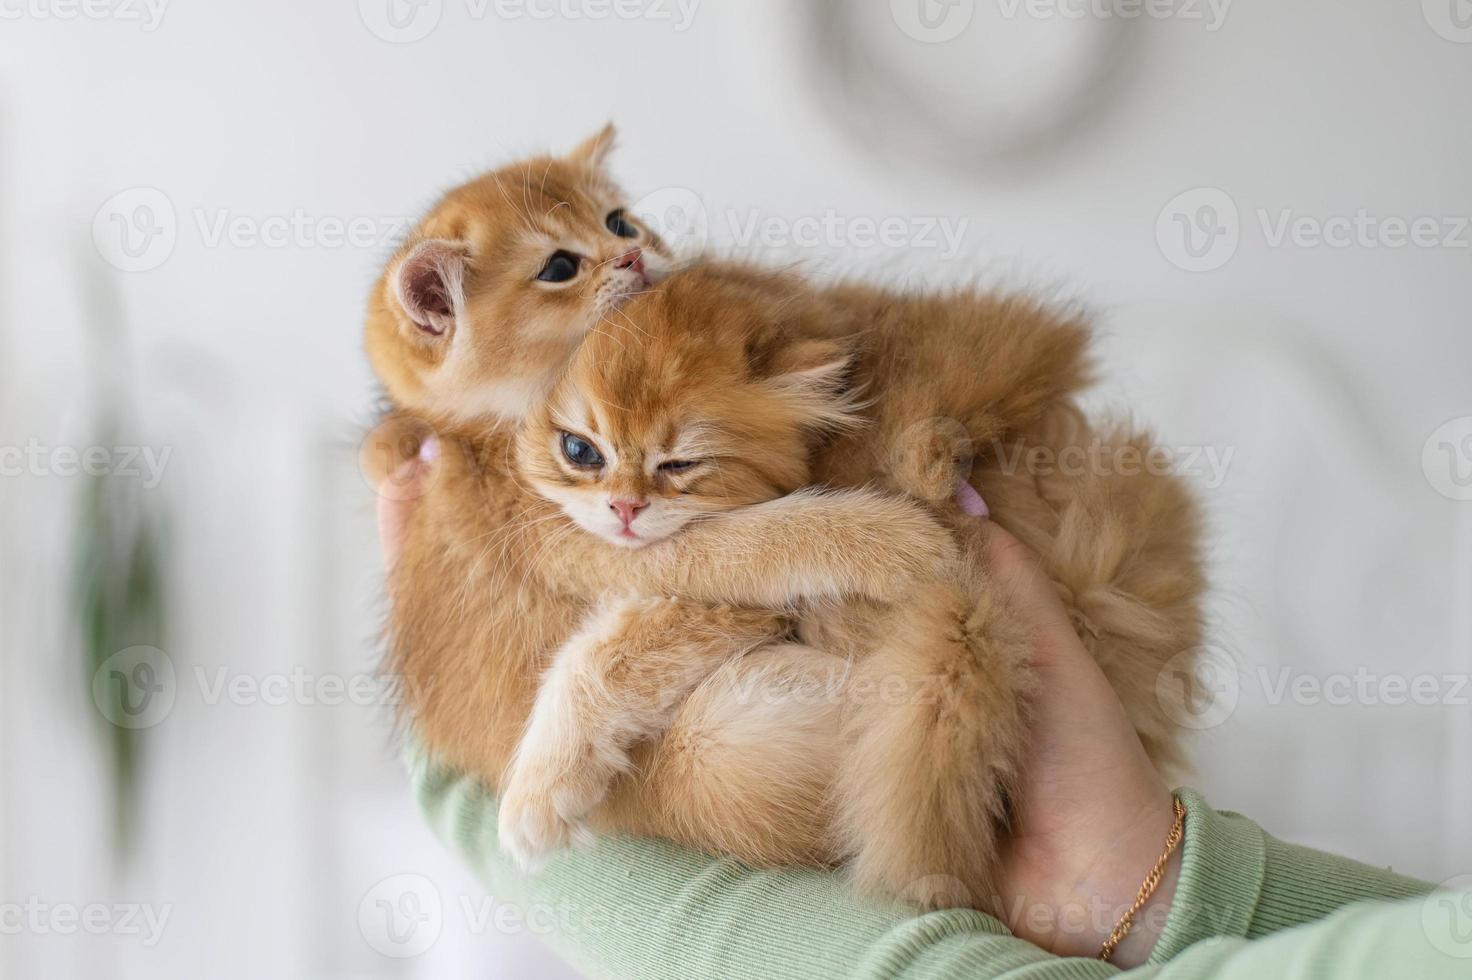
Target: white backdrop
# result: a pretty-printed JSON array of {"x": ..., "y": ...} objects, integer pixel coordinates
[{"x": 254, "y": 136}]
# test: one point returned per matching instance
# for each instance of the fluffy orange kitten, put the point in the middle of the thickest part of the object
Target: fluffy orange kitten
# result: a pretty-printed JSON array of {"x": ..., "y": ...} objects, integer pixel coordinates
[
  {"x": 690, "y": 706},
  {"x": 490, "y": 295},
  {"x": 725, "y": 387},
  {"x": 464, "y": 334}
]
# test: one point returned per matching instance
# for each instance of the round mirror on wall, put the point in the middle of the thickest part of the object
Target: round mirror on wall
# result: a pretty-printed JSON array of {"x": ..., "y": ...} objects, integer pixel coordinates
[{"x": 961, "y": 84}]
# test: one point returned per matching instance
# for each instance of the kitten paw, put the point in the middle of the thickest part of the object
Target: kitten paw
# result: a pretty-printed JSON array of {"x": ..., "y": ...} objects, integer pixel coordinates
[
  {"x": 545, "y": 813},
  {"x": 532, "y": 829}
]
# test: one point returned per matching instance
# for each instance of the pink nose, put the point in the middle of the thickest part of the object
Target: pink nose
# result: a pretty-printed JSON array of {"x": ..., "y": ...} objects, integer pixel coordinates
[
  {"x": 632, "y": 259},
  {"x": 627, "y": 510}
]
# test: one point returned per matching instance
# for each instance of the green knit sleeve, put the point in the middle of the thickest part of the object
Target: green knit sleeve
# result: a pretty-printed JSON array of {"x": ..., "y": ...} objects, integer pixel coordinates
[
  {"x": 1428, "y": 938},
  {"x": 1238, "y": 881},
  {"x": 645, "y": 909}
]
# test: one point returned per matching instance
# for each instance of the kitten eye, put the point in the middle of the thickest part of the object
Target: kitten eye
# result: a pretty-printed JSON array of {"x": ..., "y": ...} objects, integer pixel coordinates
[
  {"x": 580, "y": 452},
  {"x": 677, "y": 465},
  {"x": 619, "y": 224},
  {"x": 561, "y": 267}
]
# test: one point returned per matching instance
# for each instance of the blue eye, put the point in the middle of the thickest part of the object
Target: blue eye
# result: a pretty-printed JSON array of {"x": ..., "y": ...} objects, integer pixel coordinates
[
  {"x": 580, "y": 452},
  {"x": 618, "y": 223},
  {"x": 678, "y": 465},
  {"x": 561, "y": 267}
]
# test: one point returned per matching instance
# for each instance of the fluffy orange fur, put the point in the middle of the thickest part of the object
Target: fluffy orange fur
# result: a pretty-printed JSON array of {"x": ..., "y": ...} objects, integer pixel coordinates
[
  {"x": 815, "y": 678},
  {"x": 749, "y": 382}
]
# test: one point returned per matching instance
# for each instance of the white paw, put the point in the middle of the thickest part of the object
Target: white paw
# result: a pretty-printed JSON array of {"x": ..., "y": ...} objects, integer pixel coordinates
[
  {"x": 536, "y": 821},
  {"x": 531, "y": 830}
]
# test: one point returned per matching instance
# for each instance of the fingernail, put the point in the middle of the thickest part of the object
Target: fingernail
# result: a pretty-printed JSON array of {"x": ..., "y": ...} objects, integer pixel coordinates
[
  {"x": 429, "y": 449},
  {"x": 970, "y": 501}
]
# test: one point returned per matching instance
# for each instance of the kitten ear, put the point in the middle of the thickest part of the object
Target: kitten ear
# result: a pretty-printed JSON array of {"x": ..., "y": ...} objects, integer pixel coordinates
[
  {"x": 812, "y": 378},
  {"x": 812, "y": 365},
  {"x": 593, "y": 151},
  {"x": 430, "y": 284}
]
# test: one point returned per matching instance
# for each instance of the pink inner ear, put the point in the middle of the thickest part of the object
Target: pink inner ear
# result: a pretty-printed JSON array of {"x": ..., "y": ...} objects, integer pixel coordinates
[
  {"x": 426, "y": 299},
  {"x": 429, "y": 285}
]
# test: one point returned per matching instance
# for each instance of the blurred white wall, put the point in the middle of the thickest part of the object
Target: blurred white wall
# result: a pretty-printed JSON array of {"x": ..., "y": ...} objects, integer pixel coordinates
[{"x": 1322, "y": 370}]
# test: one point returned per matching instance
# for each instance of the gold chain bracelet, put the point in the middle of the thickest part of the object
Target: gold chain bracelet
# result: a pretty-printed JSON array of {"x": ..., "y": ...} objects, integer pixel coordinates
[{"x": 1152, "y": 882}]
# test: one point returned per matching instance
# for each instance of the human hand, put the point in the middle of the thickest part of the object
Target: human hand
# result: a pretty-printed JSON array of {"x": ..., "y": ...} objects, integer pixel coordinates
[
  {"x": 398, "y": 462},
  {"x": 1093, "y": 814}
]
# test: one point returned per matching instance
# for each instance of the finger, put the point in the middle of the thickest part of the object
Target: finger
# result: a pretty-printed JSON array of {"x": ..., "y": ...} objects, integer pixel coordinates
[
  {"x": 970, "y": 500},
  {"x": 397, "y": 496},
  {"x": 1016, "y": 569}
]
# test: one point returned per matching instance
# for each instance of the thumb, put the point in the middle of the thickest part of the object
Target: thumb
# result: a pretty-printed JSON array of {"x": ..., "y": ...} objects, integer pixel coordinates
[
  {"x": 398, "y": 493},
  {"x": 1016, "y": 570}
]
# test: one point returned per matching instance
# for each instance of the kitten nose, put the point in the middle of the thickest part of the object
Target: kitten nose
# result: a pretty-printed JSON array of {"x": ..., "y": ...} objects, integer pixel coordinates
[
  {"x": 632, "y": 259},
  {"x": 627, "y": 510}
]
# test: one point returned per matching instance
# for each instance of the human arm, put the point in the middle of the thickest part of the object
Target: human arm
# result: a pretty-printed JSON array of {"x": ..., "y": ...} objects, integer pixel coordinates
[{"x": 642, "y": 908}]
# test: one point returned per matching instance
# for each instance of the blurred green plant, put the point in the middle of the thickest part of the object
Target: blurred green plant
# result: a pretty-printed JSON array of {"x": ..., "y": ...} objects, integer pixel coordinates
[
  {"x": 120, "y": 605},
  {"x": 120, "y": 595}
]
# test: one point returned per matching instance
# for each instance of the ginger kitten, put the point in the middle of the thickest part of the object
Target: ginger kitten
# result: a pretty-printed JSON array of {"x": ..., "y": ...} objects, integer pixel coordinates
[
  {"x": 726, "y": 386},
  {"x": 471, "y": 324},
  {"x": 480, "y": 308},
  {"x": 467, "y": 327}
]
